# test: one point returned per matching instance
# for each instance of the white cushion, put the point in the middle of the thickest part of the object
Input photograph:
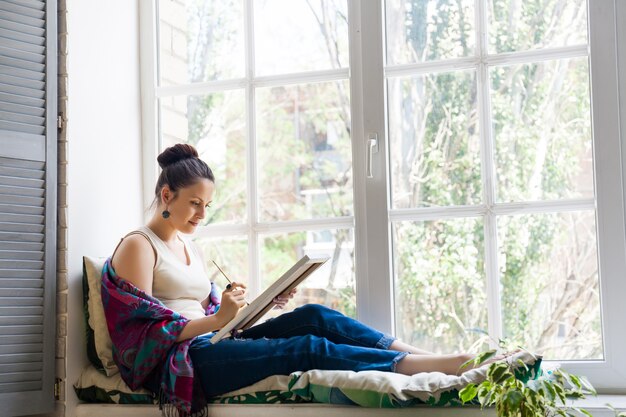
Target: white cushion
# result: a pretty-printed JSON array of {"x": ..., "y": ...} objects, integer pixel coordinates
[{"x": 97, "y": 320}]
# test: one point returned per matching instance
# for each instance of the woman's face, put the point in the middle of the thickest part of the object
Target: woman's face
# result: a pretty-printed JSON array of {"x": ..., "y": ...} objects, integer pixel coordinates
[{"x": 188, "y": 208}]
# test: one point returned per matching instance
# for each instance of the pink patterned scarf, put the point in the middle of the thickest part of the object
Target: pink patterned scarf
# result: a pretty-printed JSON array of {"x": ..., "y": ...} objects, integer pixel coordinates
[{"x": 144, "y": 333}]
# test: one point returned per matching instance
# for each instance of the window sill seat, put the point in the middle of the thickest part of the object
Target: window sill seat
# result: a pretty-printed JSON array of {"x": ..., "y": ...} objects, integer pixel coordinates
[{"x": 595, "y": 405}]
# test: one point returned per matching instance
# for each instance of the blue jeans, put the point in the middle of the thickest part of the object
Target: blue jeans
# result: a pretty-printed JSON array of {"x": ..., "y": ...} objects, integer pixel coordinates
[{"x": 310, "y": 337}]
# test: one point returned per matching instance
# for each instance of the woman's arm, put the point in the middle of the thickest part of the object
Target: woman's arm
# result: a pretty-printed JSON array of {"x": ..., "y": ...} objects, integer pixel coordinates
[
  {"x": 134, "y": 261},
  {"x": 232, "y": 300},
  {"x": 205, "y": 302},
  {"x": 196, "y": 327},
  {"x": 200, "y": 255}
]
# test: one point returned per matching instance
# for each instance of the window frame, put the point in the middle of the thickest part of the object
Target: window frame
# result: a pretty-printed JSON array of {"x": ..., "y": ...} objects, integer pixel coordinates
[
  {"x": 610, "y": 375},
  {"x": 254, "y": 230},
  {"x": 372, "y": 195}
]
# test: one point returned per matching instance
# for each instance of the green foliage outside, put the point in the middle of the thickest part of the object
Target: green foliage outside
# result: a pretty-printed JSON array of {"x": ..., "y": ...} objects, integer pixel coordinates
[{"x": 540, "y": 134}]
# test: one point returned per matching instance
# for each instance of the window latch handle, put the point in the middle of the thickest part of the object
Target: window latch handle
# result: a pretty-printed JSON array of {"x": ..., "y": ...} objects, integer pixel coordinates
[{"x": 372, "y": 148}]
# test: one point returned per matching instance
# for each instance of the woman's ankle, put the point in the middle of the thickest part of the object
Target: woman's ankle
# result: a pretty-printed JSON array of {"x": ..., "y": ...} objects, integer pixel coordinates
[{"x": 448, "y": 364}]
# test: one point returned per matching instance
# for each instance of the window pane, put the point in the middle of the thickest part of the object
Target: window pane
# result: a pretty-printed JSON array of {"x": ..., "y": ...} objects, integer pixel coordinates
[
  {"x": 230, "y": 253},
  {"x": 200, "y": 40},
  {"x": 434, "y": 140},
  {"x": 215, "y": 124},
  {"x": 428, "y": 30},
  {"x": 542, "y": 129},
  {"x": 549, "y": 279},
  {"x": 440, "y": 288},
  {"x": 332, "y": 285},
  {"x": 295, "y": 35},
  {"x": 305, "y": 159},
  {"x": 522, "y": 25}
]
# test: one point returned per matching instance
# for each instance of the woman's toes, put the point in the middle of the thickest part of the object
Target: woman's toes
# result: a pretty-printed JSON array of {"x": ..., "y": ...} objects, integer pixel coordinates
[{"x": 511, "y": 352}]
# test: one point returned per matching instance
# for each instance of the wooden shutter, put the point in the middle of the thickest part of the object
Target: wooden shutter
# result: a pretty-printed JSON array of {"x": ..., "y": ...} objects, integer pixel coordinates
[{"x": 28, "y": 182}]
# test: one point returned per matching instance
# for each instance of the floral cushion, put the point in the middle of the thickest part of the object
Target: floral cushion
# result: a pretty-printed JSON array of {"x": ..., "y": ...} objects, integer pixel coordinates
[
  {"x": 95, "y": 387},
  {"x": 367, "y": 389}
]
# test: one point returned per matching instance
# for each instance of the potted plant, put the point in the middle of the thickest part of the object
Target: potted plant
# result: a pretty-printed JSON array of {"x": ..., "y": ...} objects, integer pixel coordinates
[{"x": 544, "y": 396}]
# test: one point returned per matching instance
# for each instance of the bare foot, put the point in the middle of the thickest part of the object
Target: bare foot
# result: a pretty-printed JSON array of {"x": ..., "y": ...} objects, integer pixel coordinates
[
  {"x": 449, "y": 364},
  {"x": 471, "y": 365}
]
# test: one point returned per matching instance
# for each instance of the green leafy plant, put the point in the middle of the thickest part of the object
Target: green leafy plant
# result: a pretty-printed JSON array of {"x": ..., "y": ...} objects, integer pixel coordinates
[{"x": 514, "y": 398}]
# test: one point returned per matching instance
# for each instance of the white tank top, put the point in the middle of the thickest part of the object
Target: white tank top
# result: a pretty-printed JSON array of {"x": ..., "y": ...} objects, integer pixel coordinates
[{"x": 179, "y": 286}]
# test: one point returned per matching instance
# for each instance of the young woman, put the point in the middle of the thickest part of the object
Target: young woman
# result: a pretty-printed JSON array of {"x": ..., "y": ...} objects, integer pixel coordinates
[{"x": 158, "y": 260}]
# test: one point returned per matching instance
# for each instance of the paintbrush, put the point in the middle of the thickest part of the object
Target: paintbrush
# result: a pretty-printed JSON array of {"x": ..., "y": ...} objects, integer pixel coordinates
[{"x": 230, "y": 283}]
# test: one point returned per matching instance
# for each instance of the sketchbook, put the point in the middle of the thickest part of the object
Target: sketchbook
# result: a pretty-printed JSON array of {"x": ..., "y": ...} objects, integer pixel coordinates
[{"x": 253, "y": 312}]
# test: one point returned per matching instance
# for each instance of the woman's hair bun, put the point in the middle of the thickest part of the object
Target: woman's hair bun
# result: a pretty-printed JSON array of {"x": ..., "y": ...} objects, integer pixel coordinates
[
  {"x": 176, "y": 153},
  {"x": 180, "y": 167}
]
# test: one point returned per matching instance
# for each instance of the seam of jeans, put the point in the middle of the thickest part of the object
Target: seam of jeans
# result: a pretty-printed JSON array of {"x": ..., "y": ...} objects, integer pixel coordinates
[
  {"x": 360, "y": 343},
  {"x": 398, "y": 358},
  {"x": 385, "y": 342},
  {"x": 395, "y": 359}
]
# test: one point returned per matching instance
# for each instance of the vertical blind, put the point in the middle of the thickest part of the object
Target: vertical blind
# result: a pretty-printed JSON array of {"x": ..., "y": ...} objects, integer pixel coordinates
[{"x": 27, "y": 205}]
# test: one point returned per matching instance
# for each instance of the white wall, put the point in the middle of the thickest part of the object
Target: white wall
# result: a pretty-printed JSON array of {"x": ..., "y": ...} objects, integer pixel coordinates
[{"x": 104, "y": 159}]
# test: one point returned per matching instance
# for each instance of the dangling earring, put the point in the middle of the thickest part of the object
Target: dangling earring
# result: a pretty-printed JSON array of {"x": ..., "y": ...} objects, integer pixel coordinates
[{"x": 165, "y": 214}]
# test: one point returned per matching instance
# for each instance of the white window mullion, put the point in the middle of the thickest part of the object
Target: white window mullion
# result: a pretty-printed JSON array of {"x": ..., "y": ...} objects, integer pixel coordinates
[
  {"x": 549, "y": 206},
  {"x": 215, "y": 86},
  {"x": 290, "y": 226},
  {"x": 494, "y": 312},
  {"x": 149, "y": 103},
  {"x": 548, "y": 54},
  {"x": 372, "y": 237},
  {"x": 509, "y": 58},
  {"x": 431, "y": 67},
  {"x": 302, "y": 77},
  {"x": 254, "y": 280},
  {"x": 254, "y": 274},
  {"x": 213, "y": 231},
  {"x": 293, "y": 226},
  {"x": 499, "y": 209},
  {"x": 358, "y": 166},
  {"x": 203, "y": 88}
]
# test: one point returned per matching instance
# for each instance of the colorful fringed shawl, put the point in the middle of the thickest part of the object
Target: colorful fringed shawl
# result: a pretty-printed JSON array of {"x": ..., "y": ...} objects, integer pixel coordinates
[
  {"x": 215, "y": 298},
  {"x": 144, "y": 332}
]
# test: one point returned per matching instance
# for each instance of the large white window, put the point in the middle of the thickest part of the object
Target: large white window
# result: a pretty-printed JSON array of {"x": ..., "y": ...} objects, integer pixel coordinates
[{"x": 458, "y": 160}]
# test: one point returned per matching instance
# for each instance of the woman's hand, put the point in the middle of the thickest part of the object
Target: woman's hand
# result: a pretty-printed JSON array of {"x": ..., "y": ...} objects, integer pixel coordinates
[
  {"x": 281, "y": 301},
  {"x": 233, "y": 298}
]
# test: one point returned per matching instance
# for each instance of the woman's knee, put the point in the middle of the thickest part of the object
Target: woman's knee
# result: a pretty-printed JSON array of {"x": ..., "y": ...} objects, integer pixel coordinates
[
  {"x": 313, "y": 348},
  {"x": 315, "y": 313}
]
